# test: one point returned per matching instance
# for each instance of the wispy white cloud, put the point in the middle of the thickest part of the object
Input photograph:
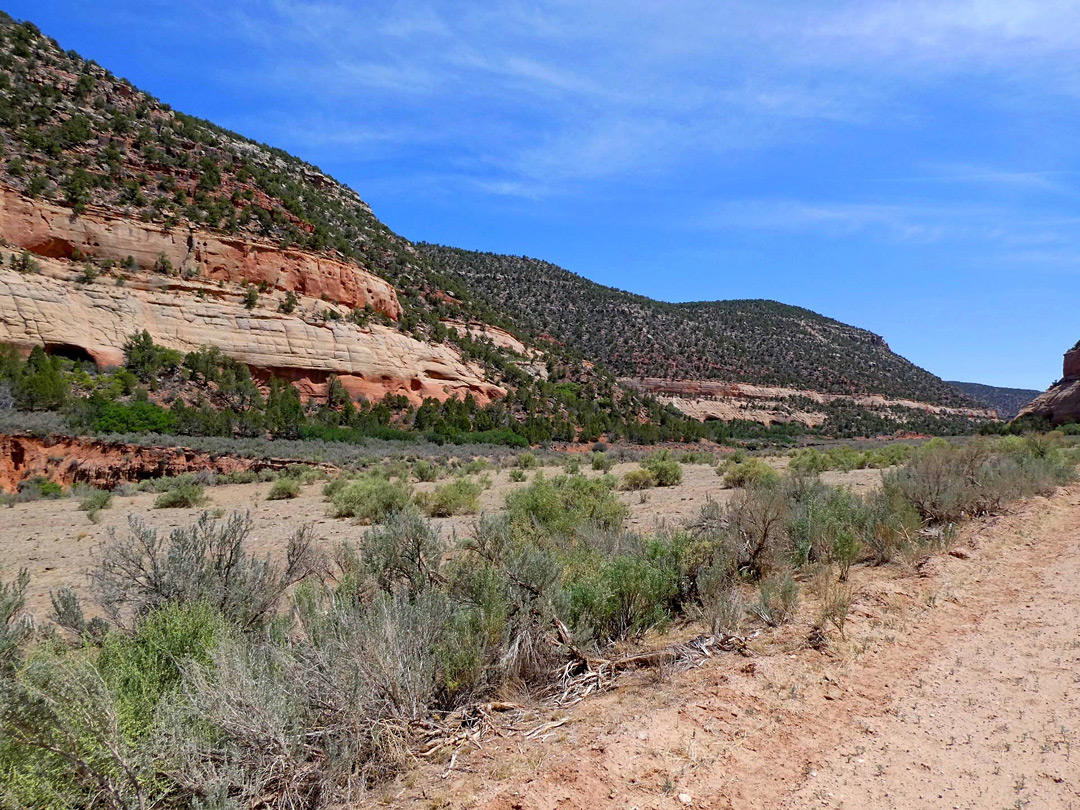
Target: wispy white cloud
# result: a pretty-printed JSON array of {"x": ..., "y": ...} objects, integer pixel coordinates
[
  {"x": 916, "y": 221},
  {"x": 559, "y": 93}
]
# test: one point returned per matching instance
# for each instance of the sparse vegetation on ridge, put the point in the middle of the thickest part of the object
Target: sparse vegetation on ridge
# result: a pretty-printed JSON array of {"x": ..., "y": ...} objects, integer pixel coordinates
[{"x": 762, "y": 342}]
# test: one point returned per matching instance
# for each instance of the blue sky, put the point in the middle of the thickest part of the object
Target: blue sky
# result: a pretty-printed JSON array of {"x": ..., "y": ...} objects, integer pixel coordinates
[{"x": 908, "y": 167}]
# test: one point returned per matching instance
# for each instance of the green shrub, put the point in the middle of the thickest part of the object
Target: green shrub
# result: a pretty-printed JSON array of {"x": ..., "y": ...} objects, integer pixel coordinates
[
  {"x": 60, "y": 742},
  {"x": 425, "y": 471},
  {"x": 182, "y": 495},
  {"x": 752, "y": 472},
  {"x": 809, "y": 460},
  {"x": 823, "y": 519},
  {"x": 15, "y": 624},
  {"x": 639, "y": 479},
  {"x": 283, "y": 489},
  {"x": 335, "y": 485},
  {"x": 370, "y": 498},
  {"x": 141, "y": 668},
  {"x": 526, "y": 461},
  {"x": 778, "y": 597},
  {"x": 845, "y": 550},
  {"x": 39, "y": 487},
  {"x": 406, "y": 550},
  {"x": 134, "y": 417},
  {"x": 946, "y": 483},
  {"x": 665, "y": 469},
  {"x": 602, "y": 462},
  {"x": 564, "y": 504},
  {"x": 625, "y": 594},
  {"x": 458, "y": 497},
  {"x": 473, "y": 467},
  {"x": 94, "y": 501},
  {"x": 517, "y": 476},
  {"x": 889, "y": 456}
]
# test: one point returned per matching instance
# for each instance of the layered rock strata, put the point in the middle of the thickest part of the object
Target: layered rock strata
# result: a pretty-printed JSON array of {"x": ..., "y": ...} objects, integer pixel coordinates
[
  {"x": 711, "y": 399},
  {"x": 93, "y": 320},
  {"x": 51, "y": 231}
]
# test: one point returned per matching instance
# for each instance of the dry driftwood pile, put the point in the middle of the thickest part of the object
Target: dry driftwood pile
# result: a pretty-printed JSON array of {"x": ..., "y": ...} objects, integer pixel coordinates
[{"x": 581, "y": 676}]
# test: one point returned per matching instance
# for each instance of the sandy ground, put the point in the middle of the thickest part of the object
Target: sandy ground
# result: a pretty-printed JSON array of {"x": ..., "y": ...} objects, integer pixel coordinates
[
  {"x": 55, "y": 542},
  {"x": 957, "y": 686}
]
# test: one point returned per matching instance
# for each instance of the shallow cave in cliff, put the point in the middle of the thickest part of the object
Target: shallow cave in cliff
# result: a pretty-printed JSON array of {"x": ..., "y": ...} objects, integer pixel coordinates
[{"x": 70, "y": 351}]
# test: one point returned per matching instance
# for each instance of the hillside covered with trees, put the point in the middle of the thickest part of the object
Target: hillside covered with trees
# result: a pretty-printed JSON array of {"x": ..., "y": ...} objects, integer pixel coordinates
[{"x": 754, "y": 341}]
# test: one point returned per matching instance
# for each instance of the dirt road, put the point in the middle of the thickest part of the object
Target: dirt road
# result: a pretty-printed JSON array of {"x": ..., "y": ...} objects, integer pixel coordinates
[{"x": 958, "y": 686}]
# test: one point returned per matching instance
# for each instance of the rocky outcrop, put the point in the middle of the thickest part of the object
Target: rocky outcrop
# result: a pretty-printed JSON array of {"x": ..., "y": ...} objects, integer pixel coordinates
[
  {"x": 94, "y": 320},
  {"x": 106, "y": 465},
  {"x": 533, "y": 362},
  {"x": 482, "y": 331},
  {"x": 54, "y": 232},
  {"x": 711, "y": 399},
  {"x": 1060, "y": 404},
  {"x": 1072, "y": 364}
]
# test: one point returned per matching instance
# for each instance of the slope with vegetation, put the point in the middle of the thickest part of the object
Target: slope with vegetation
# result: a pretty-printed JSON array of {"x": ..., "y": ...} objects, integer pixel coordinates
[
  {"x": 130, "y": 216},
  {"x": 1006, "y": 401},
  {"x": 760, "y": 342}
]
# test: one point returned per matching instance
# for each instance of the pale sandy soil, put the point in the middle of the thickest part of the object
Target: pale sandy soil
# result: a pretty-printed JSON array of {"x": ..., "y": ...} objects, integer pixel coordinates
[
  {"x": 55, "y": 542},
  {"x": 958, "y": 687}
]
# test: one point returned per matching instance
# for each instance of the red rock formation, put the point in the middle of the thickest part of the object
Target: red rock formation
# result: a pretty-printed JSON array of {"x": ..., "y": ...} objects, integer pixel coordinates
[
  {"x": 49, "y": 308},
  {"x": 106, "y": 465},
  {"x": 54, "y": 232},
  {"x": 1060, "y": 404},
  {"x": 1072, "y": 364}
]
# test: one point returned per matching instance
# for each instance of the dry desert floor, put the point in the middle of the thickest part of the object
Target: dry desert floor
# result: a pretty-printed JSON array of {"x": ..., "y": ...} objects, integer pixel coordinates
[{"x": 956, "y": 685}]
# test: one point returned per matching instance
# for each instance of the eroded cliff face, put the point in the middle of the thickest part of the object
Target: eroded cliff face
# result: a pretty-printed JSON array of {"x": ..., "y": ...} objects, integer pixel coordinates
[
  {"x": 1072, "y": 365},
  {"x": 203, "y": 305},
  {"x": 106, "y": 465},
  {"x": 711, "y": 399},
  {"x": 54, "y": 232},
  {"x": 1060, "y": 404}
]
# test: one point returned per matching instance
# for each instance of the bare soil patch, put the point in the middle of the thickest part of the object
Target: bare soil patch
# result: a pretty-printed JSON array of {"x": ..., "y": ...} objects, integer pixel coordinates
[
  {"x": 56, "y": 542},
  {"x": 956, "y": 688}
]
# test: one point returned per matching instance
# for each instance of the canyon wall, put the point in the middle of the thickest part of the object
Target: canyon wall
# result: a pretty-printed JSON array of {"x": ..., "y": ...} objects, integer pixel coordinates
[
  {"x": 1060, "y": 404},
  {"x": 51, "y": 308},
  {"x": 201, "y": 303},
  {"x": 54, "y": 232},
  {"x": 1072, "y": 364},
  {"x": 106, "y": 465},
  {"x": 713, "y": 399}
]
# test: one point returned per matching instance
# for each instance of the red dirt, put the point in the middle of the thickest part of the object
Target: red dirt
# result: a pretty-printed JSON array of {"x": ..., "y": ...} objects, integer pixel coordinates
[{"x": 70, "y": 461}]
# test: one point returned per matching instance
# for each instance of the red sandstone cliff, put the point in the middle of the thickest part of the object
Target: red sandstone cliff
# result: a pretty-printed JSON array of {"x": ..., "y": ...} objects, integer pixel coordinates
[
  {"x": 52, "y": 231},
  {"x": 1060, "y": 404},
  {"x": 106, "y": 465},
  {"x": 201, "y": 303}
]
